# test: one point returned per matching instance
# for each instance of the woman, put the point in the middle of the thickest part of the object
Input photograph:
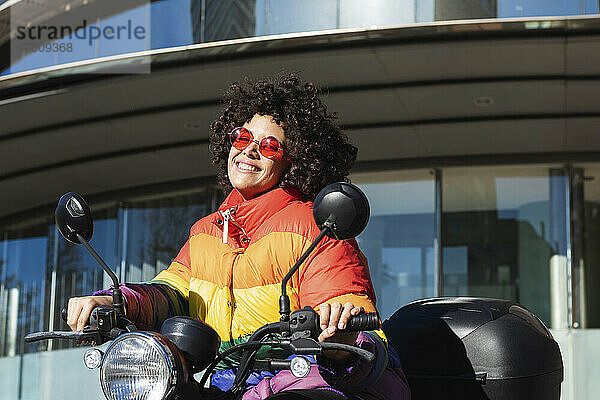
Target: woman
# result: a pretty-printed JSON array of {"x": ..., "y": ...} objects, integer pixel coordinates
[{"x": 275, "y": 146}]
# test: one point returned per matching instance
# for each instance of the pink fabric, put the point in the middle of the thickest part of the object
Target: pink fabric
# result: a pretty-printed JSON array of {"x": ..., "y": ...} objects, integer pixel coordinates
[
  {"x": 383, "y": 380},
  {"x": 284, "y": 380},
  {"x": 391, "y": 386}
]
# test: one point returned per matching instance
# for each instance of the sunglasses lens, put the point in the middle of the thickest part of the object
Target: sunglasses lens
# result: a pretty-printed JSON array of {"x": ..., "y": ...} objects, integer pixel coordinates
[
  {"x": 241, "y": 138},
  {"x": 269, "y": 147}
]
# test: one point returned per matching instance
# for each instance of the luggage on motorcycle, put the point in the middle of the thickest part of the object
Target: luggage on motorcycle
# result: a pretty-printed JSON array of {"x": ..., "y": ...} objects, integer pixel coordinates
[{"x": 474, "y": 348}]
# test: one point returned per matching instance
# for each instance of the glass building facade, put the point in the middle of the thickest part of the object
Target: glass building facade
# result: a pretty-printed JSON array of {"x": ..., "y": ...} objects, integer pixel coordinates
[
  {"x": 504, "y": 232},
  {"x": 185, "y": 22}
]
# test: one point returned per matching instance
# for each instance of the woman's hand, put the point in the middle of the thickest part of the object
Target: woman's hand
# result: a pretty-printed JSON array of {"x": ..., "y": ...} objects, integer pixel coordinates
[
  {"x": 80, "y": 308},
  {"x": 332, "y": 318}
]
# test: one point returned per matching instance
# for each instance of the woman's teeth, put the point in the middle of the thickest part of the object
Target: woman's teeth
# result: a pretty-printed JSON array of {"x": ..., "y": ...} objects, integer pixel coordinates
[{"x": 247, "y": 167}]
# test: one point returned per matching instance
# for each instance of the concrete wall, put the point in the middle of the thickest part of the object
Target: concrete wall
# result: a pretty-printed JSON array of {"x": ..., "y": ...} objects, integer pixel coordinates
[
  {"x": 56, "y": 375},
  {"x": 581, "y": 357}
]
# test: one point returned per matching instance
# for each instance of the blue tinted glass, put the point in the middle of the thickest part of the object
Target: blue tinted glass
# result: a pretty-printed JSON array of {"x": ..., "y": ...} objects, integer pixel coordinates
[
  {"x": 532, "y": 8},
  {"x": 398, "y": 241},
  {"x": 590, "y": 6},
  {"x": 424, "y": 10},
  {"x": 285, "y": 16},
  {"x": 184, "y": 22},
  {"x": 261, "y": 17},
  {"x": 83, "y": 46},
  {"x": 153, "y": 232},
  {"x": 72, "y": 271},
  {"x": 22, "y": 278},
  {"x": 170, "y": 25}
]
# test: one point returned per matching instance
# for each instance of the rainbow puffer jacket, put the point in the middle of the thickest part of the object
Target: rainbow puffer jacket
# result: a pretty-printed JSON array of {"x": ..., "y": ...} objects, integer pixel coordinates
[
  {"x": 229, "y": 274},
  {"x": 230, "y": 269}
]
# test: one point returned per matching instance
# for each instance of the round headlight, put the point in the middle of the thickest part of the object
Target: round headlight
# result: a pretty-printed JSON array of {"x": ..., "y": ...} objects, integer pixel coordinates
[{"x": 138, "y": 366}]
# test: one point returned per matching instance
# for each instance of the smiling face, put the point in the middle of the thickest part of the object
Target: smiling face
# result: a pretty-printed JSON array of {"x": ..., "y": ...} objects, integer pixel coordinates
[{"x": 250, "y": 172}]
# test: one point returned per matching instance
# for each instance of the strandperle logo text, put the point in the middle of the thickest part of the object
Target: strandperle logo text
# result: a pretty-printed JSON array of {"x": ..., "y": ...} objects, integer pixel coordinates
[{"x": 43, "y": 33}]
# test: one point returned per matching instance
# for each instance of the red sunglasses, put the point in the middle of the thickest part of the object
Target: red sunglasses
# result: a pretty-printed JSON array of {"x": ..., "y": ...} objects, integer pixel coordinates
[{"x": 268, "y": 146}]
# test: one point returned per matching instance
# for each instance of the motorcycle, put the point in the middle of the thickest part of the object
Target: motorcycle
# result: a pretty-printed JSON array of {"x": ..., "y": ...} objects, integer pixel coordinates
[
  {"x": 463, "y": 348},
  {"x": 150, "y": 365}
]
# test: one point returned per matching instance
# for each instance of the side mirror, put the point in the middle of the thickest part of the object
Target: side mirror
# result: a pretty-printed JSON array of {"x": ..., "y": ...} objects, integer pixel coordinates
[
  {"x": 74, "y": 221},
  {"x": 72, "y": 217},
  {"x": 343, "y": 208}
]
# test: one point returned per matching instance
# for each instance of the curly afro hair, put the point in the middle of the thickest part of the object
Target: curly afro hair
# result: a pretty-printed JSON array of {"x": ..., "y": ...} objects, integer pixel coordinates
[{"x": 320, "y": 152}]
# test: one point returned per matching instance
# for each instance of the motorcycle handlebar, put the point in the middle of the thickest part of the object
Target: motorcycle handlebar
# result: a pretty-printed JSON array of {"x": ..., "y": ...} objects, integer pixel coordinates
[{"x": 363, "y": 322}]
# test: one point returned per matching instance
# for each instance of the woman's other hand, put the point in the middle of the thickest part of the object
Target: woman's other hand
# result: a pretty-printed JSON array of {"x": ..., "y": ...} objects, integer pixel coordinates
[
  {"x": 334, "y": 317},
  {"x": 80, "y": 308}
]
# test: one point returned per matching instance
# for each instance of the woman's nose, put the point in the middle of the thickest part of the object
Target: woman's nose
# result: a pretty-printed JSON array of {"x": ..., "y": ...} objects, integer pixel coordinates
[{"x": 252, "y": 150}]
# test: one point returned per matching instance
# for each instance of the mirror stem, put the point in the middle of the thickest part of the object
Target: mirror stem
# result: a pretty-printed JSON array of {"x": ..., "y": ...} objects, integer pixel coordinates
[
  {"x": 284, "y": 300},
  {"x": 117, "y": 294}
]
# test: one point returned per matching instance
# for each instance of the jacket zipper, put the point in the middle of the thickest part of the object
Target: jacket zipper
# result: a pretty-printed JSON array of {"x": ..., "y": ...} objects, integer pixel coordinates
[
  {"x": 228, "y": 216},
  {"x": 232, "y": 300}
]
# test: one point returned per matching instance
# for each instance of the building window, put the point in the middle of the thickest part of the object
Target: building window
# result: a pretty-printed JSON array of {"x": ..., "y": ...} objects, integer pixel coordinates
[
  {"x": 589, "y": 295},
  {"x": 40, "y": 270},
  {"x": 398, "y": 240},
  {"x": 505, "y": 236},
  {"x": 71, "y": 271},
  {"x": 505, "y": 233},
  {"x": 153, "y": 231},
  {"x": 22, "y": 261},
  {"x": 526, "y": 233}
]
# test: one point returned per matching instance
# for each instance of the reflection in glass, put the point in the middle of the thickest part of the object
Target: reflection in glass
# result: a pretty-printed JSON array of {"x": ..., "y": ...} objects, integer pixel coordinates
[
  {"x": 155, "y": 230},
  {"x": 465, "y": 9},
  {"x": 72, "y": 271},
  {"x": 497, "y": 236},
  {"x": 183, "y": 22},
  {"x": 40, "y": 270},
  {"x": 534, "y": 8},
  {"x": 22, "y": 261},
  {"x": 286, "y": 16},
  {"x": 85, "y": 42},
  {"x": 398, "y": 241},
  {"x": 591, "y": 257},
  {"x": 353, "y": 13},
  {"x": 214, "y": 20}
]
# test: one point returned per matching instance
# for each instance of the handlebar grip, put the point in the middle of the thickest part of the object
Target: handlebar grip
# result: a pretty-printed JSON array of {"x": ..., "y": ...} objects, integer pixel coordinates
[
  {"x": 363, "y": 322},
  {"x": 63, "y": 313}
]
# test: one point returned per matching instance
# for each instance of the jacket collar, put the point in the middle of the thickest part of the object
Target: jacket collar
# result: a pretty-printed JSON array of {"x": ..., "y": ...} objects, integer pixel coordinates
[{"x": 250, "y": 214}]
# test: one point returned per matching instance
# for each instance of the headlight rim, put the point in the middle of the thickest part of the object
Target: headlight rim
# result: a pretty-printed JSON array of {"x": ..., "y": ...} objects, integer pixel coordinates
[{"x": 176, "y": 365}]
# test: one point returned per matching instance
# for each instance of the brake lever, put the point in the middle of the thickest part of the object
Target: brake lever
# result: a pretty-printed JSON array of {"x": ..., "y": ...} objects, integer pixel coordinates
[
  {"x": 310, "y": 346},
  {"x": 302, "y": 346},
  {"x": 72, "y": 335},
  {"x": 104, "y": 325},
  {"x": 89, "y": 334}
]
